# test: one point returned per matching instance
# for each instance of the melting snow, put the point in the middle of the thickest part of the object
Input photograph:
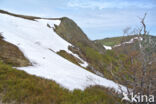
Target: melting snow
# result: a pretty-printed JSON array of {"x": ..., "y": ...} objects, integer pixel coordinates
[
  {"x": 39, "y": 44},
  {"x": 107, "y": 47},
  {"x": 129, "y": 42},
  {"x": 83, "y": 64}
]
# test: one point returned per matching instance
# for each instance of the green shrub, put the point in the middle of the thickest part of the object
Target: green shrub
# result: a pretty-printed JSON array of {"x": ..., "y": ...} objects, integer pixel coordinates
[
  {"x": 18, "y": 86},
  {"x": 69, "y": 57}
]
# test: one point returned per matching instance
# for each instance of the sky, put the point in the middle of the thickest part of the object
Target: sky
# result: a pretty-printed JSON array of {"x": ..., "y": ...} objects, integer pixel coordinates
[{"x": 97, "y": 18}]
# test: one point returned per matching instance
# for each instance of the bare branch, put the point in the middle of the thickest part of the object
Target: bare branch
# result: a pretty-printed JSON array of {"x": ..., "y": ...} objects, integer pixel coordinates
[{"x": 143, "y": 24}]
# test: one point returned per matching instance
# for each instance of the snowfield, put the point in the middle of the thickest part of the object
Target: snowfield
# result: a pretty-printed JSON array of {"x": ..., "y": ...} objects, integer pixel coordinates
[{"x": 39, "y": 43}]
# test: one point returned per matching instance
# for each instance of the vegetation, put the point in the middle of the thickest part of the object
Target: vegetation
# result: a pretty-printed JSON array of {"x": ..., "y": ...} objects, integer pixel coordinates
[
  {"x": 19, "y": 87},
  {"x": 114, "y": 40},
  {"x": 69, "y": 57},
  {"x": 109, "y": 64},
  {"x": 72, "y": 33},
  {"x": 10, "y": 54},
  {"x": 129, "y": 65},
  {"x": 144, "y": 69}
]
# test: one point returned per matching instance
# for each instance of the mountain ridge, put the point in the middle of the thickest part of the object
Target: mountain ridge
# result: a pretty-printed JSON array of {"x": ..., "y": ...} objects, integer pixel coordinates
[
  {"x": 26, "y": 16},
  {"x": 36, "y": 40}
]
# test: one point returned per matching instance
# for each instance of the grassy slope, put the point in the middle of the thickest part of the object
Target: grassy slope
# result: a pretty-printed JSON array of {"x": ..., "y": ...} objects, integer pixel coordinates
[
  {"x": 113, "y": 41},
  {"x": 72, "y": 33},
  {"x": 69, "y": 57},
  {"x": 34, "y": 90},
  {"x": 17, "y": 86},
  {"x": 10, "y": 54},
  {"x": 107, "y": 63}
]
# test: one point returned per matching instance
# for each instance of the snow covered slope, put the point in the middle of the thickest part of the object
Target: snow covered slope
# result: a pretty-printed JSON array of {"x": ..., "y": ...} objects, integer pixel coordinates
[{"x": 39, "y": 43}]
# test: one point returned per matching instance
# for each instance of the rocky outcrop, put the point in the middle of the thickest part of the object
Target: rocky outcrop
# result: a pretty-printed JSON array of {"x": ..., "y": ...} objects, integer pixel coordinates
[{"x": 72, "y": 33}]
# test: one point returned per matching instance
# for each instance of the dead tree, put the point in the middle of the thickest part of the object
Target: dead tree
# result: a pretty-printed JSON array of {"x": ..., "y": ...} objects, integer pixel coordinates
[
  {"x": 146, "y": 50},
  {"x": 141, "y": 67}
]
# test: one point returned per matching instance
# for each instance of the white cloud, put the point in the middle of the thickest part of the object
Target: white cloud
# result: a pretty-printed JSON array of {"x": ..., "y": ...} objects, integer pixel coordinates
[{"x": 109, "y": 4}]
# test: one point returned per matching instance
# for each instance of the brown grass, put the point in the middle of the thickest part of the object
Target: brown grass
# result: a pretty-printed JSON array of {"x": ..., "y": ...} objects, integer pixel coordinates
[
  {"x": 22, "y": 88},
  {"x": 10, "y": 54},
  {"x": 26, "y": 17}
]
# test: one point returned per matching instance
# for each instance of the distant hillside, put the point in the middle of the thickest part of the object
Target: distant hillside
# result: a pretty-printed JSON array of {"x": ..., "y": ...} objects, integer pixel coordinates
[{"x": 114, "y": 40}]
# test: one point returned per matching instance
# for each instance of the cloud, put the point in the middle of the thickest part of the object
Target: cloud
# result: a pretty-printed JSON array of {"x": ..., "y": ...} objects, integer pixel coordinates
[
  {"x": 98, "y": 18},
  {"x": 99, "y": 4},
  {"x": 107, "y": 23}
]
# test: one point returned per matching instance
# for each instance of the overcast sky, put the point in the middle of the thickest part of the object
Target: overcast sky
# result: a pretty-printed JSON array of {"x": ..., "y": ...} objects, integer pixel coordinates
[{"x": 97, "y": 18}]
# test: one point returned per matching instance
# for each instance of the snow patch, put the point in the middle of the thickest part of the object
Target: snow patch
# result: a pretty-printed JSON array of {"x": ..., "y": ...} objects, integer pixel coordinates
[
  {"x": 107, "y": 47},
  {"x": 129, "y": 42},
  {"x": 83, "y": 64}
]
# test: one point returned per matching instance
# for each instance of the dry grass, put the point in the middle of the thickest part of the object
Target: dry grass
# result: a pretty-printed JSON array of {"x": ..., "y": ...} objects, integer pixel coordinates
[
  {"x": 10, "y": 54},
  {"x": 21, "y": 88},
  {"x": 69, "y": 57},
  {"x": 26, "y": 17}
]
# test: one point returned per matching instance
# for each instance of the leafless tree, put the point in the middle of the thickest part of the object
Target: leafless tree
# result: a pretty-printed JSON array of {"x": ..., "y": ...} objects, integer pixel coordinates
[{"x": 143, "y": 71}]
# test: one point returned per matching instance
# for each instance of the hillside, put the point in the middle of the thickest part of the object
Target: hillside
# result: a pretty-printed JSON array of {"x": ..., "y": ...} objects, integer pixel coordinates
[
  {"x": 72, "y": 33},
  {"x": 36, "y": 42},
  {"x": 18, "y": 87},
  {"x": 130, "y": 46},
  {"x": 10, "y": 54},
  {"x": 40, "y": 47},
  {"x": 114, "y": 40},
  {"x": 94, "y": 54},
  {"x": 54, "y": 57},
  {"x": 117, "y": 43}
]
